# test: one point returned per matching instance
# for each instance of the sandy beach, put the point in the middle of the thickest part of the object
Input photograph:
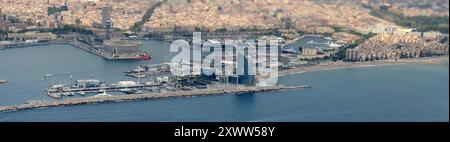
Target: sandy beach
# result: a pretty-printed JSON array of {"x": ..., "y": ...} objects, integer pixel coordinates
[{"x": 341, "y": 65}]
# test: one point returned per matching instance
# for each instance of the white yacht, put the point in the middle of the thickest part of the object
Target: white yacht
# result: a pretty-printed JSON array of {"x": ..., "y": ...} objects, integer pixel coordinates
[
  {"x": 104, "y": 94},
  {"x": 127, "y": 90},
  {"x": 139, "y": 92},
  {"x": 81, "y": 93}
]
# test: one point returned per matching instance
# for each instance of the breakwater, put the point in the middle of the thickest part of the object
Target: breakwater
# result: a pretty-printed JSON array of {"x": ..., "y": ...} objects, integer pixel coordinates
[{"x": 134, "y": 97}]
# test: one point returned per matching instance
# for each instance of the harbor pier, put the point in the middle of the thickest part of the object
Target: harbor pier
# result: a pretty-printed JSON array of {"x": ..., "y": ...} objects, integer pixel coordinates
[{"x": 148, "y": 96}]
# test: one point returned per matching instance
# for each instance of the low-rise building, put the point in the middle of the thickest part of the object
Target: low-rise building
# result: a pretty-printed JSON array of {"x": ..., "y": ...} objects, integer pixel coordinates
[
  {"x": 311, "y": 53},
  {"x": 395, "y": 46},
  {"x": 31, "y": 36}
]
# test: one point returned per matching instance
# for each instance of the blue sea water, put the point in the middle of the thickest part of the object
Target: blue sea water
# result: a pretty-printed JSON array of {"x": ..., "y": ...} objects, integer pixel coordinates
[{"x": 413, "y": 93}]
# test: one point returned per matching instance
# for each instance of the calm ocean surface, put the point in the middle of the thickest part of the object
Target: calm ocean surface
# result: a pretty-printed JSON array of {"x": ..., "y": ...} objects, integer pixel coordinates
[{"x": 372, "y": 94}]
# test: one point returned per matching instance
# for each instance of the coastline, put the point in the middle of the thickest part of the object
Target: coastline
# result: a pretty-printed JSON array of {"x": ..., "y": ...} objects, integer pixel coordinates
[
  {"x": 225, "y": 90},
  {"x": 343, "y": 65}
]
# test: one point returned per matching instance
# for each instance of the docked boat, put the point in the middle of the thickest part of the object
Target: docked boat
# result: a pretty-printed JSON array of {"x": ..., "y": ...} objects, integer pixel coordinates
[
  {"x": 127, "y": 90},
  {"x": 138, "y": 69},
  {"x": 140, "y": 76},
  {"x": 156, "y": 89},
  {"x": 104, "y": 94},
  {"x": 144, "y": 56},
  {"x": 138, "y": 92},
  {"x": 163, "y": 90},
  {"x": 81, "y": 93}
]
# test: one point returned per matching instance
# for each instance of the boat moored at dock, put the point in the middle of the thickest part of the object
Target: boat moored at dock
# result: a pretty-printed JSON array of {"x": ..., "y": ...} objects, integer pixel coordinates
[
  {"x": 144, "y": 71},
  {"x": 104, "y": 94},
  {"x": 83, "y": 87}
]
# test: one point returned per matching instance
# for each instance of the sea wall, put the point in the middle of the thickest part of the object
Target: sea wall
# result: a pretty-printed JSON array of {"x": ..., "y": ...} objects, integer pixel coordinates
[{"x": 135, "y": 97}]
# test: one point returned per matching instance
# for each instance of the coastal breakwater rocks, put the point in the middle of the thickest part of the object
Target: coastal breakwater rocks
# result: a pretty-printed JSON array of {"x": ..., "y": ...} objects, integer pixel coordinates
[{"x": 134, "y": 97}]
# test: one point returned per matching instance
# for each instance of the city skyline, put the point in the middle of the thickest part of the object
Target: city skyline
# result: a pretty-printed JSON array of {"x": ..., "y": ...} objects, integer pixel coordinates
[{"x": 224, "y": 61}]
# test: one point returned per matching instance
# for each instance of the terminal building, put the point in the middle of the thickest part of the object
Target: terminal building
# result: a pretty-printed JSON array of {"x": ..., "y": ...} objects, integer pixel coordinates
[
  {"x": 122, "y": 48},
  {"x": 31, "y": 36}
]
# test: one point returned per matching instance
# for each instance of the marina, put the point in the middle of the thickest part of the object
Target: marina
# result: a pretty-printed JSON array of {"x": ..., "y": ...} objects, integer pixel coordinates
[{"x": 95, "y": 86}]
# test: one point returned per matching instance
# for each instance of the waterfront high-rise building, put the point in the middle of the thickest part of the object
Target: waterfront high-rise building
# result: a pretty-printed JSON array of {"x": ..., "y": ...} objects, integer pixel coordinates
[
  {"x": 106, "y": 20},
  {"x": 64, "y": 6},
  {"x": 106, "y": 16}
]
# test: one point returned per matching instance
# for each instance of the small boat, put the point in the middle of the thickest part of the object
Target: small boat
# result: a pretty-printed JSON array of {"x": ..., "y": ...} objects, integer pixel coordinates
[
  {"x": 140, "y": 76},
  {"x": 3, "y": 81},
  {"x": 152, "y": 89},
  {"x": 104, "y": 94},
  {"x": 71, "y": 94},
  {"x": 48, "y": 75},
  {"x": 126, "y": 90},
  {"x": 81, "y": 93},
  {"x": 138, "y": 92},
  {"x": 170, "y": 88}
]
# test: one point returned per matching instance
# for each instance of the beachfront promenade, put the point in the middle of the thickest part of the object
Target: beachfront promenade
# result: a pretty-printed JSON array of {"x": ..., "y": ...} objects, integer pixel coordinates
[
  {"x": 226, "y": 90},
  {"x": 341, "y": 65}
]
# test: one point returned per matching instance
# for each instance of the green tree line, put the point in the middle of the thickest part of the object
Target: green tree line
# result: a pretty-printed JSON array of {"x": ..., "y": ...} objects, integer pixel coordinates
[
  {"x": 421, "y": 23},
  {"x": 148, "y": 14}
]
